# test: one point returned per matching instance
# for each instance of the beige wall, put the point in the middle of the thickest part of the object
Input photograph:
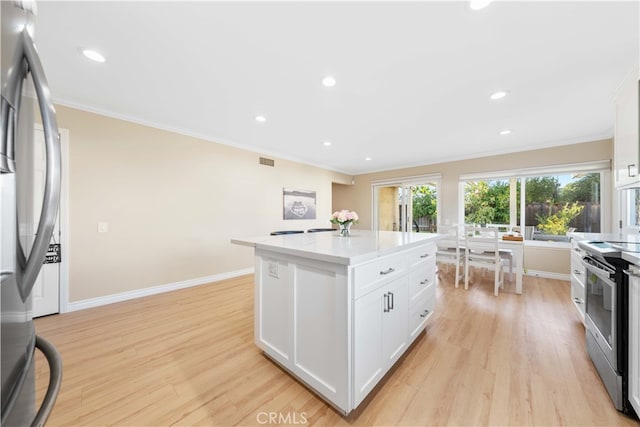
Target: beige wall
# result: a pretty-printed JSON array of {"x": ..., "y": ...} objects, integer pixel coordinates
[
  {"x": 549, "y": 259},
  {"x": 360, "y": 194},
  {"x": 172, "y": 202}
]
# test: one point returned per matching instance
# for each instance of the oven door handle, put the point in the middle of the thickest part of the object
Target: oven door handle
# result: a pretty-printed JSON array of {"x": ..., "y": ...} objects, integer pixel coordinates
[{"x": 603, "y": 274}]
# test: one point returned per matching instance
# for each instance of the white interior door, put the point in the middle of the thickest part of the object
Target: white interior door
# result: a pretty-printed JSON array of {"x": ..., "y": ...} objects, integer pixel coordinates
[{"x": 46, "y": 290}]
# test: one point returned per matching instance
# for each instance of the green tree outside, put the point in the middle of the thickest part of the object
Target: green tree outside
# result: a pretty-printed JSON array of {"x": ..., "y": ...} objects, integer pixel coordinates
[
  {"x": 585, "y": 189},
  {"x": 486, "y": 202},
  {"x": 542, "y": 189}
]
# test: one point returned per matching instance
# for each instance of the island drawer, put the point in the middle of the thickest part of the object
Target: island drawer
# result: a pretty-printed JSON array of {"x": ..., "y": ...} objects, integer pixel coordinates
[
  {"x": 420, "y": 280},
  {"x": 421, "y": 312},
  {"x": 426, "y": 253},
  {"x": 373, "y": 274}
]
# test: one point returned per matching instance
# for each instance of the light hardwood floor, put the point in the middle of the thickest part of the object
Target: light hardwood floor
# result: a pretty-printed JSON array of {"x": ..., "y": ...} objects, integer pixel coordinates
[{"x": 187, "y": 358}]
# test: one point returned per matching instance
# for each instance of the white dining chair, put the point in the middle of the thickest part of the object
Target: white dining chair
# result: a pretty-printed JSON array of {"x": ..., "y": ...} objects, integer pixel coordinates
[
  {"x": 448, "y": 249},
  {"x": 482, "y": 251}
]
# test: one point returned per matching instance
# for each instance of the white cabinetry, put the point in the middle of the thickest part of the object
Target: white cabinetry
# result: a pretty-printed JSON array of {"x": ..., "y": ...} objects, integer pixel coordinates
[
  {"x": 301, "y": 318},
  {"x": 578, "y": 294},
  {"x": 337, "y": 324},
  {"x": 389, "y": 317},
  {"x": 422, "y": 288},
  {"x": 626, "y": 138},
  {"x": 634, "y": 338},
  {"x": 380, "y": 334}
]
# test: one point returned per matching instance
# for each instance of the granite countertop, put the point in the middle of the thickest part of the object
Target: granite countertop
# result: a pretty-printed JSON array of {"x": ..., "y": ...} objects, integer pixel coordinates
[{"x": 361, "y": 246}]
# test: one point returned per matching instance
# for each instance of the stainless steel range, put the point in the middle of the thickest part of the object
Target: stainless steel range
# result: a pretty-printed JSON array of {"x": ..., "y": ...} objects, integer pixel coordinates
[{"x": 606, "y": 315}]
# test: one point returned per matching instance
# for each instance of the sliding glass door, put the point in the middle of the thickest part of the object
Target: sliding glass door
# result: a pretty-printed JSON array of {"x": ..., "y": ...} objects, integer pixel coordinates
[{"x": 406, "y": 205}]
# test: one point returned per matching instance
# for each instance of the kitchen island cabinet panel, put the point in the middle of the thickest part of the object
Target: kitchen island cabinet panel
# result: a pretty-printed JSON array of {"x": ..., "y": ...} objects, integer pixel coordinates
[
  {"x": 321, "y": 312},
  {"x": 335, "y": 311},
  {"x": 274, "y": 305}
]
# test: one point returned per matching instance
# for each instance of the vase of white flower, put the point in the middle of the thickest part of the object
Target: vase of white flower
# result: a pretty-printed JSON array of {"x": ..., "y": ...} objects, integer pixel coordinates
[
  {"x": 345, "y": 228},
  {"x": 344, "y": 218}
]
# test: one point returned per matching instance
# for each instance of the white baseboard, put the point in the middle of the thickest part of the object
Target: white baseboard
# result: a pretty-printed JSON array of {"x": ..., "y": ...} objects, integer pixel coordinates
[
  {"x": 548, "y": 275},
  {"x": 138, "y": 293}
]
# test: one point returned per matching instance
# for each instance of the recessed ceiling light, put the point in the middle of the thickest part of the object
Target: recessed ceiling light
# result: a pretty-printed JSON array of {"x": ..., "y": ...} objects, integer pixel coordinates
[
  {"x": 92, "y": 55},
  {"x": 261, "y": 119},
  {"x": 327, "y": 143},
  {"x": 499, "y": 94},
  {"x": 505, "y": 132},
  {"x": 367, "y": 158},
  {"x": 479, "y": 4},
  {"x": 329, "y": 81}
]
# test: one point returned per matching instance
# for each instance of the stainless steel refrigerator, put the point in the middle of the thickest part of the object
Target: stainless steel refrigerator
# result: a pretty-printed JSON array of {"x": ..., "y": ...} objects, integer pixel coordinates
[{"x": 27, "y": 224}]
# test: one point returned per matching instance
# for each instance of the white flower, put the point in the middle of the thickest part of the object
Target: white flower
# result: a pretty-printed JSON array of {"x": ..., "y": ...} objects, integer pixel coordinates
[{"x": 344, "y": 216}]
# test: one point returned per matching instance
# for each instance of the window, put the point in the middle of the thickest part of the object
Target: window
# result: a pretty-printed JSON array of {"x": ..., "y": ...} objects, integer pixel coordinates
[
  {"x": 556, "y": 204},
  {"x": 491, "y": 202},
  {"x": 544, "y": 204}
]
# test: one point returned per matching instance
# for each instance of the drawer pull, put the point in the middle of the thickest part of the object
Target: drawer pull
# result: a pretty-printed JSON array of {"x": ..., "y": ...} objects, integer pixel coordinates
[
  {"x": 577, "y": 272},
  {"x": 425, "y": 313},
  {"x": 387, "y": 271},
  {"x": 577, "y": 300},
  {"x": 424, "y": 256},
  {"x": 424, "y": 282}
]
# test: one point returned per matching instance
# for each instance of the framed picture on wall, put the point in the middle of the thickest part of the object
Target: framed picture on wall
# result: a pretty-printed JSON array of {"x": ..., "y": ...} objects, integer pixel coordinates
[{"x": 299, "y": 204}]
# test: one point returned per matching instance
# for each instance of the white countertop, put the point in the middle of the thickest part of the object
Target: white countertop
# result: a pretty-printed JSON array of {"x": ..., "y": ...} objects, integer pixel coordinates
[
  {"x": 361, "y": 246},
  {"x": 608, "y": 237},
  {"x": 632, "y": 257}
]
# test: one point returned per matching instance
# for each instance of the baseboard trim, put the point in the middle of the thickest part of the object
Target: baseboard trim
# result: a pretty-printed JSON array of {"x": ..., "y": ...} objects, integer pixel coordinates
[
  {"x": 139, "y": 293},
  {"x": 548, "y": 275}
]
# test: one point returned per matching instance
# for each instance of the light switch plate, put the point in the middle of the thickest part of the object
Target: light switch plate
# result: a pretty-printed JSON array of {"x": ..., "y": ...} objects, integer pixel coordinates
[{"x": 103, "y": 227}]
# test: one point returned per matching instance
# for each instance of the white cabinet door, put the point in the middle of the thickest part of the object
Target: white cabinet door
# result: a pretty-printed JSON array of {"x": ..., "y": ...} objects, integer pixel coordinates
[
  {"x": 634, "y": 339},
  {"x": 381, "y": 322},
  {"x": 626, "y": 144},
  {"x": 367, "y": 337},
  {"x": 395, "y": 321}
]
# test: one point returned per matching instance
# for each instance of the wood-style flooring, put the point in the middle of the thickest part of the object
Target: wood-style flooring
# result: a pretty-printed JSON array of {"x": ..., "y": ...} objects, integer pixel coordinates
[{"x": 187, "y": 358}]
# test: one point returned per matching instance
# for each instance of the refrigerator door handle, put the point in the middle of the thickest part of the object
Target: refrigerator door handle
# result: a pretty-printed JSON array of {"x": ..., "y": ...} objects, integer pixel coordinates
[
  {"x": 55, "y": 379},
  {"x": 51, "y": 200}
]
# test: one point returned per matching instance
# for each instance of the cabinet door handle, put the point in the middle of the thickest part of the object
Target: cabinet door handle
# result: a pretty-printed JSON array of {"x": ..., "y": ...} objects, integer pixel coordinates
[
  {"x": 631, "y": 175},
  {"x": 577, "y": 300},
  {"x": 577, "y": 272},
  {"x": 424, "y": 282},
  {"x": 424, "y": 256},
  {"x": 386, "y": 303},
  {"x": 387, "y": 271},
  {"x": 425, "y": 313},
  {"x": 391, "y": 299}
]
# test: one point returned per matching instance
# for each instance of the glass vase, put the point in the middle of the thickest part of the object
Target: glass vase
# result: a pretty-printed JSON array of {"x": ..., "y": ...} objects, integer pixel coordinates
[{"x": 345, "y": 229}]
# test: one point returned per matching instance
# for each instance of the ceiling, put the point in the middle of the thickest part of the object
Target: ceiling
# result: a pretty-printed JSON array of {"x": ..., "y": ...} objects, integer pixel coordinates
[{"x": 413, "y": 78}]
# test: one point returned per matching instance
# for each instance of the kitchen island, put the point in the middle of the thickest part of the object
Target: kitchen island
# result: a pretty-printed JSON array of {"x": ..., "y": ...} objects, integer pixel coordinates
[{"x": 337, "y": 312}]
